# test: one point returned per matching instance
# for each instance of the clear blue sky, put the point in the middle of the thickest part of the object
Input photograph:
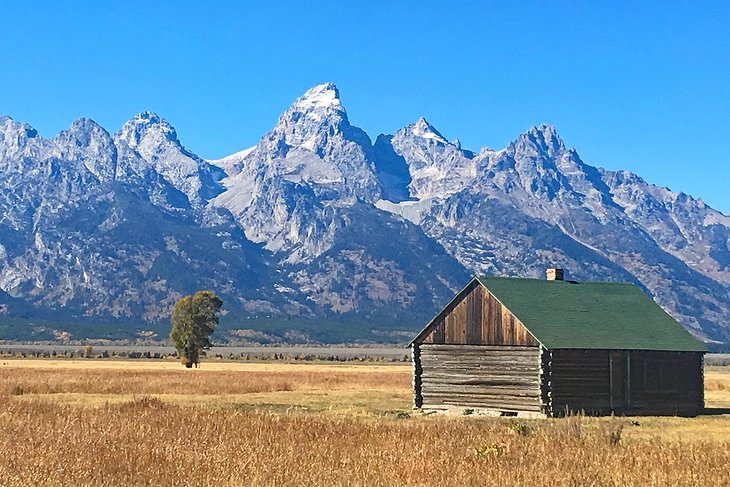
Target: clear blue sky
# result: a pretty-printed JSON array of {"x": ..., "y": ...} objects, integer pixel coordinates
[{"x": 639, "y": 87}]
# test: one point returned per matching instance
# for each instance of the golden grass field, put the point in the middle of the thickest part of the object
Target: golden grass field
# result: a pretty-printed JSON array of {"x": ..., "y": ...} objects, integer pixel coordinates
[{"x": 96, "y": 422}]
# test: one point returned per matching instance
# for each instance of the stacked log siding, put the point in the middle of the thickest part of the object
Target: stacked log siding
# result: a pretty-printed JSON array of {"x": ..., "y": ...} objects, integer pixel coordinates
[
  {"x": 680, "y": 386},
  {"x": 494, "y": 377},
  {"x": 579, "y": 381}
]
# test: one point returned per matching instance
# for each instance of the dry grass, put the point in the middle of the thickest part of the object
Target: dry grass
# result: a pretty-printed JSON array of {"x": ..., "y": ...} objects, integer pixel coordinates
[
  {"x": 351, "y": 389},
  {"x": 110, "y": 378},
  {"x": 717, "y": 379},
  {"x": 149, "y": 442},
  {"x": 279, "y": 424}
]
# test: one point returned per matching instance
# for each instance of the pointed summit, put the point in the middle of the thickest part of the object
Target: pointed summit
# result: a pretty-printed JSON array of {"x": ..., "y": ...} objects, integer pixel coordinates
[
  {"x": 425, "y": 130},
  {"x": 423, "y": 124},
  {"x": 151, "y": 142},
  {"x": 320, "y": 105},
  {"x": 88, "y": 142},
  {"x": 314, "y": 121},
  {"x": 325, "y": 95},
  {"x": 545, "y": 137},
  {"x": 7, "y": 125},
  {"x": 142, "y": 124}
]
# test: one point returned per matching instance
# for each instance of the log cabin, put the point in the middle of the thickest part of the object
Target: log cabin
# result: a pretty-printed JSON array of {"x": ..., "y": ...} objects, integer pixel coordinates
[{"x": 544, "y": 348}]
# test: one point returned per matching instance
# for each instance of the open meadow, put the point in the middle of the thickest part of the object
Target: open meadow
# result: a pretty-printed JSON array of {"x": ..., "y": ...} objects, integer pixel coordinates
[{"x": 104, "y": 422}]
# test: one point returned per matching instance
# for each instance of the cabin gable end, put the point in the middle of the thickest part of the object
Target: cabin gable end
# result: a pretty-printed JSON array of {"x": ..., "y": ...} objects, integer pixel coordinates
[{"x": 476, "y": 317}]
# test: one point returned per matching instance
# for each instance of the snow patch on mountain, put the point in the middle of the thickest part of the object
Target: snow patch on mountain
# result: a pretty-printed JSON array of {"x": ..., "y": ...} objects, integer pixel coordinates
[
  {"x": 412, "y": 211},
  {"x": 232, "y": 164},
  {"x": 425, "y": 130}
]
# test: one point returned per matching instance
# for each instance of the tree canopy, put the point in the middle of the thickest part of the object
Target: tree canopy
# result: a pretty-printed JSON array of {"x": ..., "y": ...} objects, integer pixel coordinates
[{"x": 194, "y": 319}]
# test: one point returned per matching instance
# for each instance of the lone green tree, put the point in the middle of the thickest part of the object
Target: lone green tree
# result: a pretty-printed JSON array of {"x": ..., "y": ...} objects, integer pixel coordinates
[{"x": 194, "y": 319}]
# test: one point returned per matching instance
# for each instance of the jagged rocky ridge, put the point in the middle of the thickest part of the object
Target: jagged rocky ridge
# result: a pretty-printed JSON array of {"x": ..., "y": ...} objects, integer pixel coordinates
[{"x": 317, "y": 223}]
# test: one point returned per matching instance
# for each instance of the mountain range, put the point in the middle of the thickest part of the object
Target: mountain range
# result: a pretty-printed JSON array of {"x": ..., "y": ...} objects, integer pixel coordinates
[{"x": 318, "y": 233}]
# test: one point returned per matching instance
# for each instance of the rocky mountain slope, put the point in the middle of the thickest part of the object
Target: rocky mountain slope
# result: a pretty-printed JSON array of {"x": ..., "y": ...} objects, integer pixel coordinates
[
  {"x": 537, "y": 202},
  {"x": 316, "y": 224}
]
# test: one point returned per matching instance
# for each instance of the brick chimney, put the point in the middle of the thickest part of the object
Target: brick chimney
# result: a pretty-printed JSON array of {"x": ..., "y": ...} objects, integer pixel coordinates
[{"x": 554, "y": 274}]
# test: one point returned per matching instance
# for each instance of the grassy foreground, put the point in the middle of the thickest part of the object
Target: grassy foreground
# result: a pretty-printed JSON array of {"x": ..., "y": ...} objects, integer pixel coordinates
[{"x": 153, "y": 423}]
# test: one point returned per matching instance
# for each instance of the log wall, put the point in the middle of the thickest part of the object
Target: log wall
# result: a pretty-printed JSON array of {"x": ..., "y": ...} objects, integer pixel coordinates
[
  {"x": 666, "y": 383},
  {"x": 578, "y": 380},
  {"x": 623, "y": 382},
  {"x": 503, "y": 378},
  {"x": 476, "y": 317}
]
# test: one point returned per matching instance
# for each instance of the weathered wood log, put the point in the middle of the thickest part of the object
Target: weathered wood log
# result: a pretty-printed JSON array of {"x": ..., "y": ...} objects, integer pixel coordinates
[
  {"x": 495, "y": 377},
  {"x": 478, "y": 348}
]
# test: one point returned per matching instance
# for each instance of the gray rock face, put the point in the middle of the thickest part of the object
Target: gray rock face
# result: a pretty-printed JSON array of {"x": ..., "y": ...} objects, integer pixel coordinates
[
  {"x": 292, "y": 187},
  {"x": 17, "y": 140},
  {"x": 437, "y": 168},
  {"x": 306, "y": 192},
  {"x": 149, "y": 141},
  {"x": 88, "y": 143},
  {"x": 79, "y": 238},
  {"x": 122, "y": 226},
  {"x": 315, "y": 222}
]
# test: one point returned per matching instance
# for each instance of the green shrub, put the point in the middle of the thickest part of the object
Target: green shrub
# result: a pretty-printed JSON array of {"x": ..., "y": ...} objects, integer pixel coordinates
[
  {"x": 520, "y": 429},
  {"x": 490, "y": 450}
]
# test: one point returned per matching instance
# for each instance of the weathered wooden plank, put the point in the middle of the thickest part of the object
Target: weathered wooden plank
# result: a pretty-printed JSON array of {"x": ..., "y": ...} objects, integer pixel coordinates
[
  {"x": 464, "y": 375},
  {"x": 478, "y": 318},
  {"x": 484, "y": 402},
  {"x": 486, "y": 357},
  {"x": 456, "y": 397},
  {"x": 480, "y": 348},
  {"x": 476, "y": 380},
  {"x": 477, "y": 384},
  {"x": 471, "y": 367},
  {"x": 491, "y": 391},
  {"x": 481, "y": 403},
  {"x": 481, "y": 376},
  {"x": 487, "y": 336},
  {"x": 474, "y": 316}
]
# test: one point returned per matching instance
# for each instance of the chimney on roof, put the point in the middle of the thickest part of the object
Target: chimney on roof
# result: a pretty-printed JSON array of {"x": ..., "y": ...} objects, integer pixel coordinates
[{"x": 554, "y": 274}]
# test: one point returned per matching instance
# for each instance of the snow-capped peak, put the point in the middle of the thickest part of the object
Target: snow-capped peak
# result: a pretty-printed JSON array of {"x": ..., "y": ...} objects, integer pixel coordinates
[
  {"x": 236, "y": 156},
  {"x": 425, "y": 130},
  {"x": 318, "y": 105},
  {"x": 325, "y": 95}
]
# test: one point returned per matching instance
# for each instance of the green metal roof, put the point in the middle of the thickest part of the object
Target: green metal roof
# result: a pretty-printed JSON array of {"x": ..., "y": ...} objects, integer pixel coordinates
[{"x": 597, "y": 315}]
